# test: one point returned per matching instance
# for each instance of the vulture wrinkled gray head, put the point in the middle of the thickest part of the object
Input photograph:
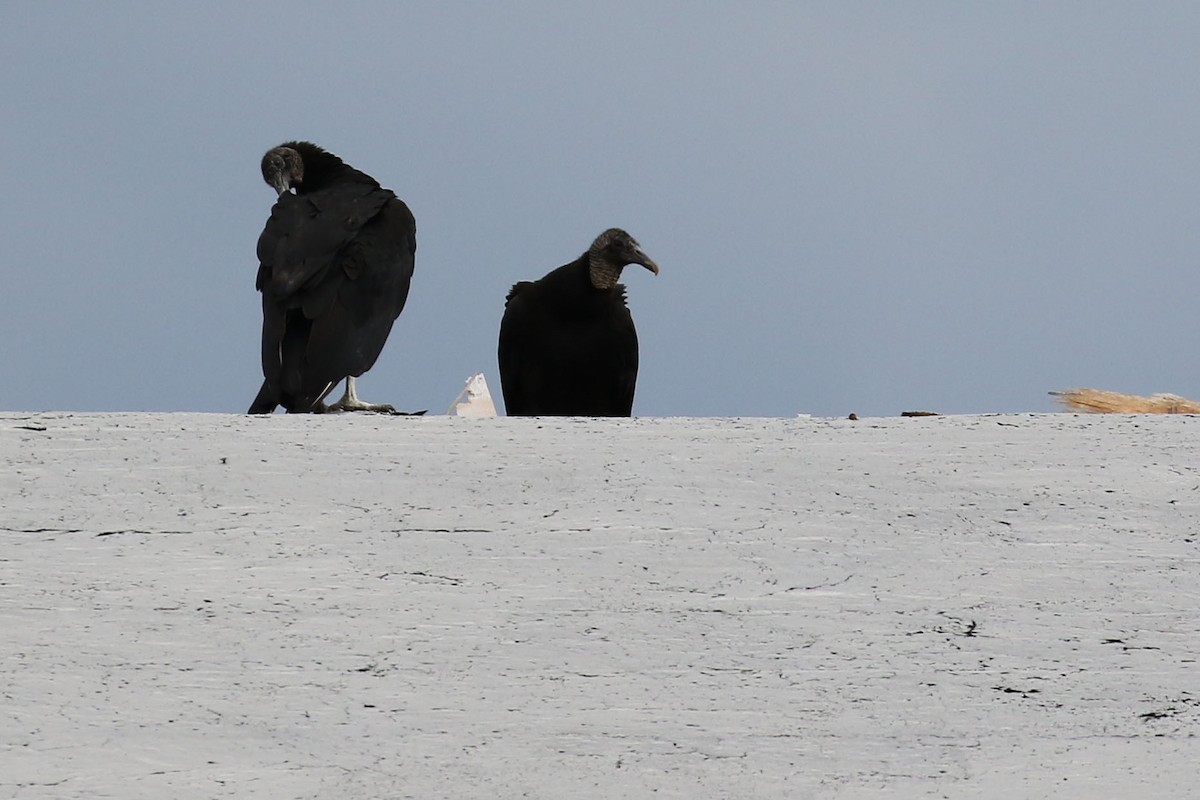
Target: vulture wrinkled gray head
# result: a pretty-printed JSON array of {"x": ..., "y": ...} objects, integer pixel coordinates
[
  {"x": 611, "y": 252},
  {"x": 282, "y": 168}
]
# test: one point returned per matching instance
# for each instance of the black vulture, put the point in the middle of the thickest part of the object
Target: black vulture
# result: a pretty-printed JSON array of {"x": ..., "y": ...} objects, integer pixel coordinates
[
  {"x": 335, "y": 263},
  {"x": 568, "y": 346}
]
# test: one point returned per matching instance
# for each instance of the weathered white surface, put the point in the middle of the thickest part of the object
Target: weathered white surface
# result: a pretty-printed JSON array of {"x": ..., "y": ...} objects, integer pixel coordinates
[{"x": 204, "y": 606}]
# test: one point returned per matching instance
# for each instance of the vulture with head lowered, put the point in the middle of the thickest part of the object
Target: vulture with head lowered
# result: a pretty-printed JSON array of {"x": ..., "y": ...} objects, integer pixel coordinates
[
  {"x": 568, "y": 346},
  {"x": 335, "y": 263}
]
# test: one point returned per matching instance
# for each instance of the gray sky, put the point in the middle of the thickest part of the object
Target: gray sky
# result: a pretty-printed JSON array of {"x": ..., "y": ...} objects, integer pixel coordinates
[{"x": 856, "y": 207}]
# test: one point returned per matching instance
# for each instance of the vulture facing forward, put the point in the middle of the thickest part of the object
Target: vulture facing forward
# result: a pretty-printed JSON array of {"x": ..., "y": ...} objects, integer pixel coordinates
[
  {"x": 335, "y": 263},
  {"x": 568, "y": 346}
]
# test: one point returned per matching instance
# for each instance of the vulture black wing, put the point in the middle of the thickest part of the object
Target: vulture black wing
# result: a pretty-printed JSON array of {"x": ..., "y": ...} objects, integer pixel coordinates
[{"x": 520, "y": 370}]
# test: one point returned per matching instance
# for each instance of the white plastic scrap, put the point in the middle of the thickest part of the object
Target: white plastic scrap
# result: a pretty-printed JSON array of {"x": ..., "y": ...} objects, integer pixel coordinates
[{"x": 474, "y": 400}]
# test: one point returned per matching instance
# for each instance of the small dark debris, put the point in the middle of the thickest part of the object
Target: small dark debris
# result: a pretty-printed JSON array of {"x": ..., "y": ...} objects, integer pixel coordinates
[
  {"x": 1151, "y": 715},
  {"x": 920, "y": 414}
]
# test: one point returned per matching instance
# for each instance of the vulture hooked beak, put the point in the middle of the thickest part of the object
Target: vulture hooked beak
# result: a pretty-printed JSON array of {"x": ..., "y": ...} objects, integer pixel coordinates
[{"x": 646, "y": 261}]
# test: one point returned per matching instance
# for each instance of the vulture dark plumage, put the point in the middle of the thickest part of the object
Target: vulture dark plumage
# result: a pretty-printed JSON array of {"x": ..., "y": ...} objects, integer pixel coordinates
[
  {"x": 568, "y": 346},
  {"x": 335, "y": 264}
]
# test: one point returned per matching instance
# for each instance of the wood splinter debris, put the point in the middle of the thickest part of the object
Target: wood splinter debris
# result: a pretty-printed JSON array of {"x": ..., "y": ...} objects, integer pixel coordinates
[{"x": 1098, "y": 401}]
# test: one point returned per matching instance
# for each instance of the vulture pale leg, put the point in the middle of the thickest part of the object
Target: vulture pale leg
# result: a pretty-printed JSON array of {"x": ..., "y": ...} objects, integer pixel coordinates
[{"x": 350, "y": 402}]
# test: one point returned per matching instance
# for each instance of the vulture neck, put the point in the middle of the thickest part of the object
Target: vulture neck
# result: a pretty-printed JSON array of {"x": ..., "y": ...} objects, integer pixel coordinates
[{"x": 604, "y": 274}]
